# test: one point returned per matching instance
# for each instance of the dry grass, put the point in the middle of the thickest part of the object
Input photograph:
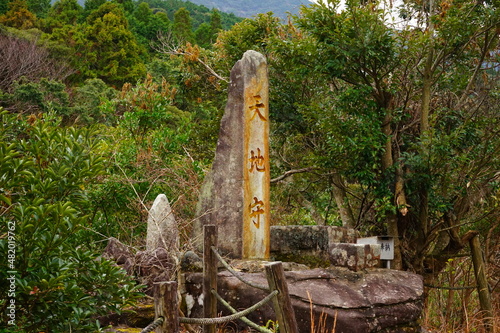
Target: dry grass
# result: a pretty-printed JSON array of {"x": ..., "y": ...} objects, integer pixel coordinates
[
  {"x": 458, "y": 310},
  {"x": 322, "y": 325}
]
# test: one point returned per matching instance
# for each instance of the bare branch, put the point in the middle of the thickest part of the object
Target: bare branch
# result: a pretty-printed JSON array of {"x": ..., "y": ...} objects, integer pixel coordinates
[
  {"x": 292, "y": 172},
  {"x": 167, "y": 44},
  {"x": 26, "y": 58}
]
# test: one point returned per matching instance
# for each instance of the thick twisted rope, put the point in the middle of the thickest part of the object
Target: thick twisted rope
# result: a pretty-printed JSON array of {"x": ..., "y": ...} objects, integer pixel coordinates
[
  {"x": 243, "y": 319},
  {"x": 232, "y": 271},
  {"x": 226, "y": 319},
  {"x": 151, "y": 327}
]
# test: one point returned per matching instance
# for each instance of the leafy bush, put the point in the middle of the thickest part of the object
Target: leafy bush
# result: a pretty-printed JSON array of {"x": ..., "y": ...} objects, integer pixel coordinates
[
  {"x": 149, "y": 106},
  {"x": 90, "y": 100},
  {"x": 61, "y": 284},
  {"x": 150, "y": 151},
  {"x": 43, "y": 96}
]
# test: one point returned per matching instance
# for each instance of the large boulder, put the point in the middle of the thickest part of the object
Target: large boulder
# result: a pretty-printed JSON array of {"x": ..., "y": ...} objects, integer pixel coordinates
[
  {"x": 147, "y": 266},
  {"x": 152, "y": 266},
  {"x": 378, "y": 300}
]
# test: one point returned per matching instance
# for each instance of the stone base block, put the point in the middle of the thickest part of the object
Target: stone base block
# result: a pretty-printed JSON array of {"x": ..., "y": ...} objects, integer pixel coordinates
[
  {"x": 307, "y": 244},
  {"x": 355, "y": 256}
]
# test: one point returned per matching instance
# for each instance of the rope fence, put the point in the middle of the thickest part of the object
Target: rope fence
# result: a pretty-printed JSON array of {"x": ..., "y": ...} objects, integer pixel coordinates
[
  {"x": 235, "y": 273},
  {"x": 167, "y": 303},
  {"x": 450, "y": 288},
  {"x": 226, "y": 319},
  {"x": 243, "y": 319},
  {"x": 151, "y": 327}
]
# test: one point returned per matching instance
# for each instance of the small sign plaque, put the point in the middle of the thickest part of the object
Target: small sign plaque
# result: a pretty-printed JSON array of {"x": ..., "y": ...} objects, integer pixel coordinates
[{"x": 386, "y": 245}]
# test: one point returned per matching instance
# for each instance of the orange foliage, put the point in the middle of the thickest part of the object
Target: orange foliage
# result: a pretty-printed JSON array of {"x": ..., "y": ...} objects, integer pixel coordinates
[{"x": 18, "y": 16}]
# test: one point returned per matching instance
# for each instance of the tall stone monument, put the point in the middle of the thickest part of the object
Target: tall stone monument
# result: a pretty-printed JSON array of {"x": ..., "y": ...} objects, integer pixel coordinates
[{"x": 235, "y": 195}]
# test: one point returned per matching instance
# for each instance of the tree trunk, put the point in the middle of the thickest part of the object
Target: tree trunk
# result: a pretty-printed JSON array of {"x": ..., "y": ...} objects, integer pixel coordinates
[
  {"x": 423, "y": 208},
  {"x": 340, "y": 195},
  {"x": 482, "y": 282},
  {"x": 423, "y": 214},
  {"x": 388, "y": 162},
  {"x": 320, "y": 220}
]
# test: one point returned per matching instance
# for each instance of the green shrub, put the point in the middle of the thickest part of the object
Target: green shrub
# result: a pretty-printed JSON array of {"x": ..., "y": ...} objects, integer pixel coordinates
[
  {"x": 61, "y": 284},
  {"x": 42, "y": 96},
  {"x": 89, "y": 103}
]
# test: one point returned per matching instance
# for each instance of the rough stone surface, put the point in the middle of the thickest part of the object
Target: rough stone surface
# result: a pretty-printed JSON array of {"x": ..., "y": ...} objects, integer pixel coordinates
[
  {"x": 151, "y": 266},
  {"x": 255, "y": 266},
  {"x": 309, "y": 244},
  {"x": 148, "y": 266},
  {"x": 140, "y": 315},
  {"x": 162, "y": 228},
  {"x": 355, "y": 256},
  {"x": 223, "y": 200},
  {"x": 191, "y": 262},
  {"x": 117, "y": 251},
  {"x": 379, "y": 300}
]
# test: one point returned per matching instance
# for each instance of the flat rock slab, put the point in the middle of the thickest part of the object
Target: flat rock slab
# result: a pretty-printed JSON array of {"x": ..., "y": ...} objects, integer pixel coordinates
[{"x": 379, "y": 300}]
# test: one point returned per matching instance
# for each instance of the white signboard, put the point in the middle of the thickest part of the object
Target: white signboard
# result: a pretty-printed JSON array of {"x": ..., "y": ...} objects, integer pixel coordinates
[{"x": 386, "y": 245}]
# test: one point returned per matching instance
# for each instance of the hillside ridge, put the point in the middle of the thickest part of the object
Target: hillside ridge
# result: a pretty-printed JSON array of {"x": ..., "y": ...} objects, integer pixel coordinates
[{"x": 245, "y": 8}]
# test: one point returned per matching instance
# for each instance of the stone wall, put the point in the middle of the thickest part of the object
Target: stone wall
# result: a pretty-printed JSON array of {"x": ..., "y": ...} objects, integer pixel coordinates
[{"x": 322, "y": 246}]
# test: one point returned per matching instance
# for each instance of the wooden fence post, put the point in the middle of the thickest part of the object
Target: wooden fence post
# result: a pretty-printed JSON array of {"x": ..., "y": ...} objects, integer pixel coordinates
[
  {"x": 482, "y": 284},
  {"x": 285, "y": 314},
  {"x": 209, "y": 275},
  {"x": 167, "y": 306}
]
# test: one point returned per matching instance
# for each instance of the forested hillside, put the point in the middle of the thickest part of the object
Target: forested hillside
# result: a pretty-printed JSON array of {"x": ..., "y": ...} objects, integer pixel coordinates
[
  {"x": 244, "y": 8},
  {"x": 386, "y": 129}
]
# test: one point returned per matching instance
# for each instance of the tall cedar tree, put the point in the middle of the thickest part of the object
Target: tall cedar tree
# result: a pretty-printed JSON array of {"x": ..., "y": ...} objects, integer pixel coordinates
[{"x": 112, "y": 52}]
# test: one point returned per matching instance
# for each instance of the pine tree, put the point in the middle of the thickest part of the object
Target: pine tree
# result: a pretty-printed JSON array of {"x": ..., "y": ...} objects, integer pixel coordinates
[
  {"x": 3, "y": 6},
  {"x": 63, "y": 12},
  {"x": 215, "y": 22}
]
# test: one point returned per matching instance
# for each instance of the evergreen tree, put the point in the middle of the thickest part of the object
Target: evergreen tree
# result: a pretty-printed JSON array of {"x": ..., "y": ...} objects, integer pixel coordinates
[
  {"x": 63, "y": 12},
  {"x": 112, "y": 52},
  {"x": 183, "y": 28},
  {"x": 18, "y": 16},
  {"x": 4, "y": 6},
  {"x": 128, "y": 5},
  {"x": 146, "y": 25},
  {"x": 90, "y": 5},
  {"x": 215, "y": 22},
  {"x": 206, "y": 34},
  {"x": 143, "y": 13},
  {"x": 39, "y": 7},
  {"x": 203, "y": 35}
]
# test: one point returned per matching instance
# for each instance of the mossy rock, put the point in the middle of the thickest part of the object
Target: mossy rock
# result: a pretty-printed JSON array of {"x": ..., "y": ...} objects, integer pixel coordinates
[
  {"x": 128, "y": 330},
  {"x": 141, "y": 315}
]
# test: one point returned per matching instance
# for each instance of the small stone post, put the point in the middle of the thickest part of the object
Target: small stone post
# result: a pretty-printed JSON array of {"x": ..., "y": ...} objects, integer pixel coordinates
[
  {"x": 162, "y": 229},
  {"x": 256, "y": 173}
]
